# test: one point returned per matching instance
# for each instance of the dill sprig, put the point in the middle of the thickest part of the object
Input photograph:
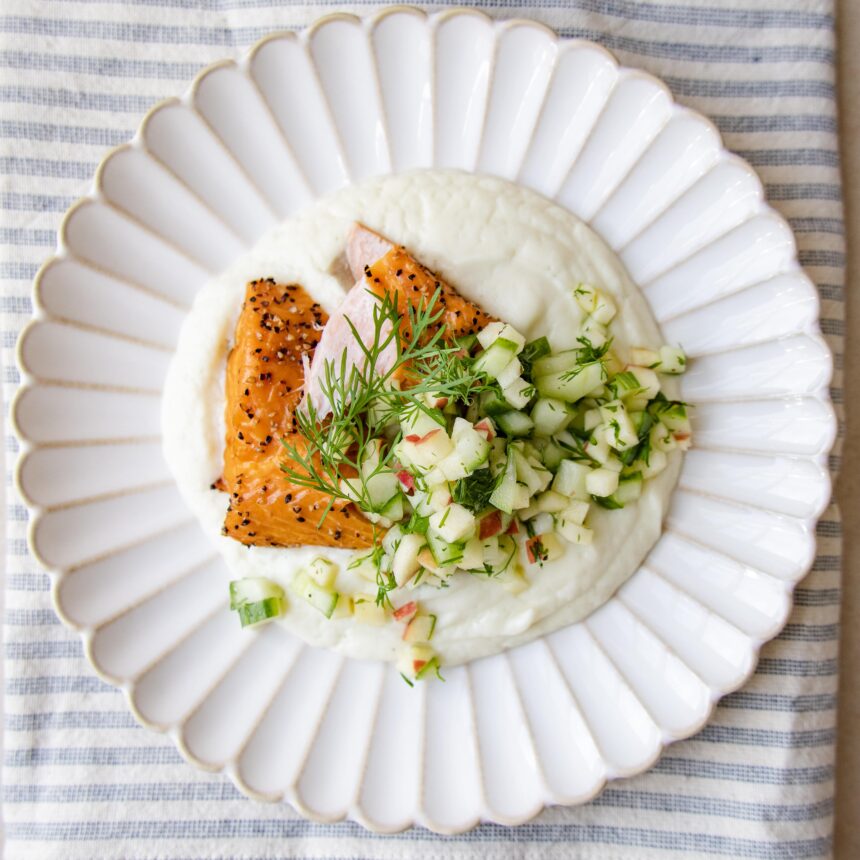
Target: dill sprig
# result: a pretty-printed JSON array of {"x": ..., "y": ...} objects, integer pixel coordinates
[{"x": 365, "y": 401}]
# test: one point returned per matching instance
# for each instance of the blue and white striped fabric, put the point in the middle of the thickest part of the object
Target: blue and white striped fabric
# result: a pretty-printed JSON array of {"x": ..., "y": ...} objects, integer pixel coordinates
[{"x": 81, "y": 780}]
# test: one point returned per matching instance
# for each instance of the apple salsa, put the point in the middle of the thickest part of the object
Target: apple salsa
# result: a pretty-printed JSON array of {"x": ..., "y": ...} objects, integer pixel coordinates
[{"x": 469, "y": 454}]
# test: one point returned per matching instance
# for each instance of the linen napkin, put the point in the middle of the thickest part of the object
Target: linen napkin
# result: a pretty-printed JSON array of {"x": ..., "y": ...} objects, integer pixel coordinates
[{"x": 82, "y": 780}]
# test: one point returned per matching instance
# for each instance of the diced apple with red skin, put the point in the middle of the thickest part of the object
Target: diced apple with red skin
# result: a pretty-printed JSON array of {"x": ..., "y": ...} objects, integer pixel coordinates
[
  {"x": 513, "y": 528},
  {"x": 490, "y": 525},
  {"x": 427, "y": 450},
  {"x": 414, "y": 659},
  {"x": 406, "y": 481},
  {"x": 406, "y": 561},
  {"x": 535, "y": 549},
  {"x": 420, "y": 628},
  {"x": 486, "y": 429},
  {"x": 406, "y": 612}
]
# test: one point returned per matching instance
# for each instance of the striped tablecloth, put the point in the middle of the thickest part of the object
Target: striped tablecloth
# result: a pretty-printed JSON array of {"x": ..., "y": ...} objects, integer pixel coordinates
[{"x": 81, "y": 780}]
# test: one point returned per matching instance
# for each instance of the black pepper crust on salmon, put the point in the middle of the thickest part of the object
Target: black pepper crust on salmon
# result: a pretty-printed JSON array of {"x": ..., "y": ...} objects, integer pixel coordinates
[{"x": 278, "y": 324}]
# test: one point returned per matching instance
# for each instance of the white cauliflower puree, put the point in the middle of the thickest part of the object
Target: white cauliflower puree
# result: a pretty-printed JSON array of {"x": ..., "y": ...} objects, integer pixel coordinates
[{"x": 518, "y": 256}]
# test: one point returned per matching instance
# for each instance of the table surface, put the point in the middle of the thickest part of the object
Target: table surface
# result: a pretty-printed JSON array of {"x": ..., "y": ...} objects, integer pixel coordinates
[{"x": 847, "y": 841}]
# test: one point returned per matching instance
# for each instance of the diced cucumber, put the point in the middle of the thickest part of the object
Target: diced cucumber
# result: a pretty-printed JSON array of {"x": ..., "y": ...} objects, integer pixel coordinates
[
  {"x": 492, "y": 402},
  {"x": 552, "y": 455},
  {"x": 322, "y": 572},
  {"x": 542, "y": 523},
  {"x": 672, "y": 360},
  {"x": 657, "y": 461},
  {"x": 526, "y": 474},
  {"x": 522, "y": 497},
  {"x": 509, "y": 373},
  {"x": 253, "y": 589},
  {"x": 570, "y": 480},
  {"x": 605, "y": 309},
  {"x": 586, "y": 297},
  {"x": 575, "y": 533},
  {"x": 405, "y": 563},
  {"x": 549, "y": 416},
  {"x": 575, "y": 512},
  {"x": 518, "y": 393},
  {"x": 594, "y": 332},
  {"x": 648, "y": 381},
  {"x": 452, "y": 524},
  {"x": 557, "y": 363},
  {"x": 471, "y": 447},
  {"x": 420, "y": 628},
  {"x": 571, "y": 385},
  {"x": 592, "y": 419},
  {"x": 493, "y": 360},
  {"x": 443, "y": 552},
  {"x": 426, "y": 504},
  {"x": 321, "y": 599},
  {"x": 551, "y": 502},
  {"x": 260, "y": 611},
  {"x": 367, "y": 611},
  {"x": 495, "y": 330},
  {"x": 662, "y": 438},
  {"x": 515, "y": 423},
  {"x": 504, "y": 493},
  {"x": 343, "y": 608},
  {"x": 629, "y": 488},
  {"x": 622, "y": 434},
  {"x": 473, "y": 554},
  {"x": 389, "y": 514},
  {"x": 644, "y": 357},
  {"x": 366, "y": 566},
  {"x": 601, "y": 482}
]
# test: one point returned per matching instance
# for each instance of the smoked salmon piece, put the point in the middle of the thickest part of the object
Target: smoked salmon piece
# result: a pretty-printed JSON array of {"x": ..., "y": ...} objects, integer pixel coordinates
[
  {"x": 277, "y": 327},
  {"x": 383, "y": 268}
]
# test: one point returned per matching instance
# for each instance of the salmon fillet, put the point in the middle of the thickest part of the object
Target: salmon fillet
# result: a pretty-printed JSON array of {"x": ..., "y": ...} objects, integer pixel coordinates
[
  {"x": 277, "y": 327},
  {"x": 383, "y": 268},
  {"x": 280, "y": 328}
]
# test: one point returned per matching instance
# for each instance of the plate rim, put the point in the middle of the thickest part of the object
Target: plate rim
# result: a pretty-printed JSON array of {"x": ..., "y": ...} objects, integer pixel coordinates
[{"x": 41, "y": 314}]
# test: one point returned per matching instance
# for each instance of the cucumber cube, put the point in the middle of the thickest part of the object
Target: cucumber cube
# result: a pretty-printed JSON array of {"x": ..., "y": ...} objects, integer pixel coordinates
[
  {"x": 321, "y": 599},
  {"x": 322, "y": 572},
  {"x": 453, "y": 523},
  {"x": 601, "y": 482},
  {"x": 648, "y": 381},
  {"x": 515, "y": 423},
  {"x": 493, "y": 360},
  {"x": 605, "y": 309},
  {"x": 672, "y": 360},
  {"x": 657, "y": 461},
  {"x": 549, "y": 416},
  {"x": 253, "y": 589},
  {"x": 509, "y": 373},
  {"x": 570, "y": 480},
  {"x": 644, "y": 357},
  {"x": 551, "y": 502},
  {"x": 259, "y": 612},
  {"x": 571, "y": 385},
  {"x": 367, "y": 611},
  {"x": 575, "y": 533},
  {"x": 586, "y": 297},
  {"x": 492, "y": 332},
  {"x": 575, "y": 512},
  {"x": 405, "y": 563},
  {"x": 420, "y": 628},
  {"x": 518, "y": 393}
]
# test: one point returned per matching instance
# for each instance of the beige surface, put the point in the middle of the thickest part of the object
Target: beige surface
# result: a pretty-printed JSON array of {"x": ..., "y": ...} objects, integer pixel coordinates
[{"x": 848, "y": 490}]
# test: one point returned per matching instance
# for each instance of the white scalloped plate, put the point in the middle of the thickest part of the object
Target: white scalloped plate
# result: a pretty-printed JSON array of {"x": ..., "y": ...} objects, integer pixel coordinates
[{"x": 542, "y": 724}]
